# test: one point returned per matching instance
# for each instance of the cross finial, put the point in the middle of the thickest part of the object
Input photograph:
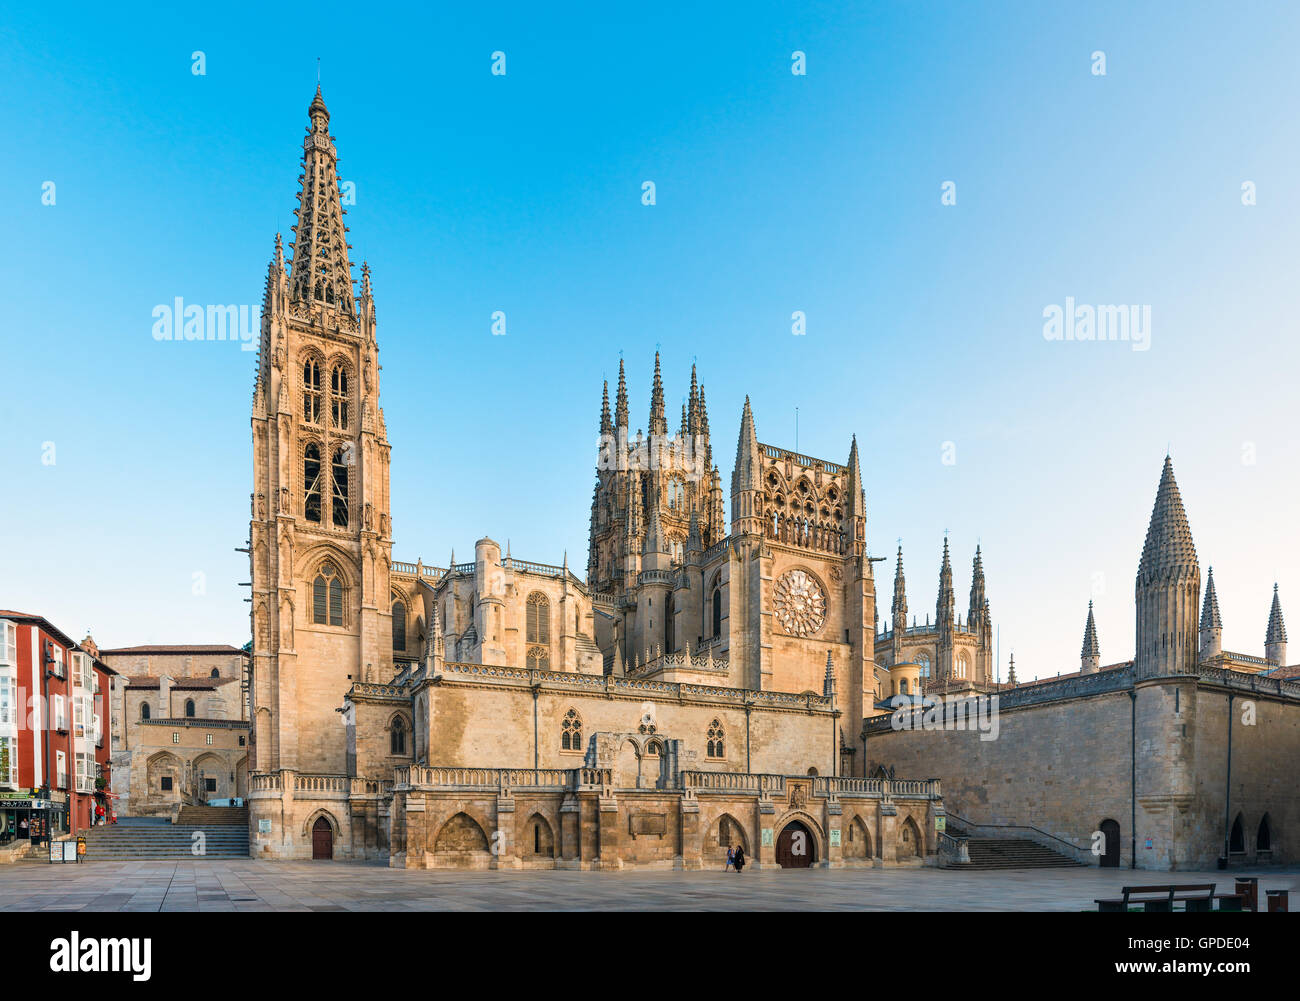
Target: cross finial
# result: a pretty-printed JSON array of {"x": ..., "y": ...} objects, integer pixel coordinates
[{"x": 318, "y": 71}]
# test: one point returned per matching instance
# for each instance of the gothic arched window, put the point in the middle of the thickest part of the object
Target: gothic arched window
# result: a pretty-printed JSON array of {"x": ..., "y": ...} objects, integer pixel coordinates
[
  {"x": 397, "y": 736},
  {"x": 537, "y": 632},
  {"x": 216, "y": 673},
  {"x": 717, "y": 612},
  {"x": 311, "y": 392},
  {"x": 962, "y": 667},
  {"x": 339, "y": 476},
  {"x": 311, "y": 482},
  {"x": 327, "y": 597},
  {"x": 144, "y": 710},
  {"x": 923, "y": 662},
  {"x": 676, "y": 495},
  {"x": 1237, "y": 839},
  {"x": 1264, "y": 836},
  {"x": 571, "y": 731},
  {"x": 399, "y": 624},
  {"x": 189, "y": 708},
  {"x": 717, "y": 747},
  {"x": 339, "y": 397}
]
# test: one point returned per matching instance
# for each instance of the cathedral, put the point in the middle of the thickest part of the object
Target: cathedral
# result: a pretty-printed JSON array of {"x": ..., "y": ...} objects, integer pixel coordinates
[{"x": 702, "y": 687}]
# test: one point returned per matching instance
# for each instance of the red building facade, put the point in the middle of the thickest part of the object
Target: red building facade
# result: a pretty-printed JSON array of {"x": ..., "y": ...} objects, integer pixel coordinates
[{"x": 54, "y": 742}]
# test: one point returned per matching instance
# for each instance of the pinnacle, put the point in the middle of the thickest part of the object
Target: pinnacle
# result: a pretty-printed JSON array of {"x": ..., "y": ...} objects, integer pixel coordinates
[
  {"x": 620, "y": 408},
  {"x": 658, "y": 423},
  {"x": 1276, "y": 626},
  {"x": 1091, "y": 648},
  {"x": 1210, "y": 618}
]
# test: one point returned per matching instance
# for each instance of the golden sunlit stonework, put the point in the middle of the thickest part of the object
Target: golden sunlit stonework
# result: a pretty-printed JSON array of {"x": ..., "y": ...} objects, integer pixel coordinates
[{"x": 711, "y": 681}]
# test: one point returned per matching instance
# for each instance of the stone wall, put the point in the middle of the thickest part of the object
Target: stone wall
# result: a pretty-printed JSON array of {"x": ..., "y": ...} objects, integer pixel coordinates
[
  {"x": 1067, "y": 753},
  {"x": 446, "y": 818}
]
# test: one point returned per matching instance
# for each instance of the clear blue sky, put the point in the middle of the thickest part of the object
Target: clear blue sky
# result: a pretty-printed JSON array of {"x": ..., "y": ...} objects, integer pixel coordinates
[{"x": 776, "y": 193}]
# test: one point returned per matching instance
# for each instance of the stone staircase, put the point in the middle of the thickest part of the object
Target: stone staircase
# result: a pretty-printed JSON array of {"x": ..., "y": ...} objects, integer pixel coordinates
[
  {"x": 1012, "y": 853},
  {"x": 224, "y": 830}
]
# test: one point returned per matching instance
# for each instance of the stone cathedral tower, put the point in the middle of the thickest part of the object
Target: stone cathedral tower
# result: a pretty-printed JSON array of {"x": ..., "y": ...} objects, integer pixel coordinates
[{"x": 320, "y": 538}]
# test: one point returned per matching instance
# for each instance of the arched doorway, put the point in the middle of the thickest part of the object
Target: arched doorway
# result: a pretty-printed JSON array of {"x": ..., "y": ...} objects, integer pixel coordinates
[
  {"x": 322, "y": 839},
  {"x": 1110, "y": 836},
  {"x": 795, "y": 847},
  {"x": 1237, "y": 839}
]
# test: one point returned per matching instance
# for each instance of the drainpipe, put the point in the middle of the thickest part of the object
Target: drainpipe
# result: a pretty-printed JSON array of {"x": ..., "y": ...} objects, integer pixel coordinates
[
  {"x": 1227, "y": 788},
  {"x": 536, "y": 750},
  {"x": 748, "y": 710},
  {"x": 1132, "y": 779}
]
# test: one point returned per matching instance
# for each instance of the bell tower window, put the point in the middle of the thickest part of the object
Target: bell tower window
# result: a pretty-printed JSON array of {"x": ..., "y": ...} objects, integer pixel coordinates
[
  {"x": 311, "y": 397},
  {"x": 339, "y": 476},
  {"x": 311, "y": 482},
  {"x": 339, "y": 397}
]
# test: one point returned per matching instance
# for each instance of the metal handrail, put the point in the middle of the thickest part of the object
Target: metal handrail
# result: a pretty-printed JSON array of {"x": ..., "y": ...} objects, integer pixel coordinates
[{"x": 968, "y": 824}]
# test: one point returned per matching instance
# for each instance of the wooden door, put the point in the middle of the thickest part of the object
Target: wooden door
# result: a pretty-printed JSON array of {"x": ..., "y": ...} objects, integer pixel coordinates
[
  {"x": 795, "y": 848},
  {"x": 322, "y": 839},
  {"x": 1110, "y": 831}
]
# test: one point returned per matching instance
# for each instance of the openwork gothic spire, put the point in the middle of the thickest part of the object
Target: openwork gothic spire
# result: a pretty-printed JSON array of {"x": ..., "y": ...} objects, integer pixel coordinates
[{"x": 320, "y": 281}]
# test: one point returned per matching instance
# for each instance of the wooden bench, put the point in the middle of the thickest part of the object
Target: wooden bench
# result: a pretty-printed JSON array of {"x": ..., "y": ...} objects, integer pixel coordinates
[{"x": 1161, "y": 898}]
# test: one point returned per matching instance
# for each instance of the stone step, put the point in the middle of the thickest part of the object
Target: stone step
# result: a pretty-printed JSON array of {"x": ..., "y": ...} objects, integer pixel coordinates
[{"x": 1012, "y": 853}]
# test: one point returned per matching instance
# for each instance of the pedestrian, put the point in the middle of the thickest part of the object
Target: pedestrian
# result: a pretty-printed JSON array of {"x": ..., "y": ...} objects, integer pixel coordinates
[
  {"x": 731, "y": 857},
  {"x": 738, "y": 859},
  {"x": 22, "y": 828}
]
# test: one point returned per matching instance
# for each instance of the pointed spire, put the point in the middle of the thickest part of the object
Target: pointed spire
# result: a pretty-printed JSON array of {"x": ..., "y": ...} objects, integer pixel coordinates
[
  {"x": 693, "y": 409},
  {"x": 1210, "y": 618},
  {"x": 1011, "y": 671},
  {"x": 685, "y": 426},
  {"x": 1276, "y": 626},
  {"x": 321, "y": 275},
  {"x": 1169, "y": 551},
  {"x": 898, "y": 610},
  {"x": 828, "y": 683},
  {"x": 606, "y": 424},
  {"x": 620, "y": 405},
  {"x": 658, "y": 423}
]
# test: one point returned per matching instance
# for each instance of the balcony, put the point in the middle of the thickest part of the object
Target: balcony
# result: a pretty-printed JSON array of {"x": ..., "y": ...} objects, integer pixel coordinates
[{"x": 85, "y": 783}]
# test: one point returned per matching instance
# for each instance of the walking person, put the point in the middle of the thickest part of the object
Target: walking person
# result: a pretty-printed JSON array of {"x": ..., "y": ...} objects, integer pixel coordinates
[
  {"x": 738, "y": 859},
  {"x": 731, "y": 857}
]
